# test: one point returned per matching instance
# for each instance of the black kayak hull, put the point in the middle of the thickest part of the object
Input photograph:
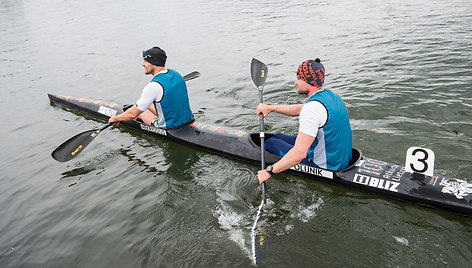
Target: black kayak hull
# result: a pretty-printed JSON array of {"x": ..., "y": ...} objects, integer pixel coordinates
[{"x": 364, "y": 174}]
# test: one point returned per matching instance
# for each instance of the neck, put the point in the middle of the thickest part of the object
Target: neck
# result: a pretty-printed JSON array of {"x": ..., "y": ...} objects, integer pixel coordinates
[
  {"x": 314, "y": 90},
  {"x": 158, "y": 69}
]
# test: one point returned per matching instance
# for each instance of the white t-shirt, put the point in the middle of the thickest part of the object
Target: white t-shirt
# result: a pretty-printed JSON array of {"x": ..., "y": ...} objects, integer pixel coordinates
[
  {"x": 153, "y": 91},
  {"x": 312, "y": 117}
]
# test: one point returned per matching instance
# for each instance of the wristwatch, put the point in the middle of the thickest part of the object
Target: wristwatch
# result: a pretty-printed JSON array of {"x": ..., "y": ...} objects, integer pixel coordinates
[{"x": 269, "y": 169}]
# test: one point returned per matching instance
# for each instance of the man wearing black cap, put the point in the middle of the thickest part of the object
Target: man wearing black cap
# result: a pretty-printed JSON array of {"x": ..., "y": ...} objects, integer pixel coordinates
[
  {"x": 324, "y": 137},
  {"x": 167, "y": 91}
]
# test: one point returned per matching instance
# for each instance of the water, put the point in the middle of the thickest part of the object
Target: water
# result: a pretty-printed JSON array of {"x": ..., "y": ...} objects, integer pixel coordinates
[{"x": 130, "y": 200}]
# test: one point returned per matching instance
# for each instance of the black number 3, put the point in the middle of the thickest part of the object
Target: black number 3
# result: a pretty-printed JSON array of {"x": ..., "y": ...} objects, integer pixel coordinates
[{"x": 422, "y": 160}]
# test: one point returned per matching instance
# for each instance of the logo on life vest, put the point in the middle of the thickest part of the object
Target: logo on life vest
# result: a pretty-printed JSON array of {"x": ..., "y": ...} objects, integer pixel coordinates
[{"x": 376, "y": 182}]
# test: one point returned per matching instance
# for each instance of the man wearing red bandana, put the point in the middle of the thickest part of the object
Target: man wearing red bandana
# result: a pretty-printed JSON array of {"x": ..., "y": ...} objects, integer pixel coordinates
[{"x": 324, "y": 136}]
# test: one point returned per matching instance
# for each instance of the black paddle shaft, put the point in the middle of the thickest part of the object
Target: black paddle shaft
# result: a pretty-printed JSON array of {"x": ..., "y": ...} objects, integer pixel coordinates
[{"x": 262, "y": 135}]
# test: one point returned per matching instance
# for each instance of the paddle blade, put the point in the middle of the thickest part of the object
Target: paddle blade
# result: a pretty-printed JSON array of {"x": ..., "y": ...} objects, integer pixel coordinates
[
  {"x": 259, "y": 73},
  {"x": 192, "y": 75},
  {"x": 258, "y": 235},
  {"x": 74, "y": 146}
]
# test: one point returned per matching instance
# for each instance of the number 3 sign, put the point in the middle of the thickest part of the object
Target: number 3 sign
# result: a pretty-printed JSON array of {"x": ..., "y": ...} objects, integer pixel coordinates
[{"x": 420, "y": 160}]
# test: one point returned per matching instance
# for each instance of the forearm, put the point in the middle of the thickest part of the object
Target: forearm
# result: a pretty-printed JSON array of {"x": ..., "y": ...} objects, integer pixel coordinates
[
  {"x": 289, "y": 160},
  {"x": 124, "y": 117},
  {"x": 129, "y": 114},
  {"x": 290, "y": 110},
  {"x": 294, "y": 155}
]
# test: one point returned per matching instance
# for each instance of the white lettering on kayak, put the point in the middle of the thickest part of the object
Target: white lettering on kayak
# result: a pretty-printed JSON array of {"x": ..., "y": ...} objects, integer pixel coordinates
[
  {"x": 395, "y": 173},
  {"x": 313, "y": 170},
  {"x": 107, "y": 111},
  {"x": 159, "y": 131},
  {"x": 376, "y": 182}
]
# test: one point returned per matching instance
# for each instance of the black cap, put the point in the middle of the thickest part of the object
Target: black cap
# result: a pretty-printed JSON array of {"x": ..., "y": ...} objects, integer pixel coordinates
[{"x": 155, "y": 56}]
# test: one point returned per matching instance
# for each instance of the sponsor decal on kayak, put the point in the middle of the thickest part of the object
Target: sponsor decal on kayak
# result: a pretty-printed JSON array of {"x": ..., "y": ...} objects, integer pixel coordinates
[
  {"x": 159, "y": 131},
  {"x": 386, "y": 171},
  {"x": 313, "y": 170},
  {"x": 394, "y": 173},
  {"x": 372, "y": 167},
  {"x": 378, "y": 174},
  {"x": 87, "y": 100},
  {"x": 376, "y": 182},
  {"x": 381, "y": 169},
  {"x": 107, "y": 111},
  {"x": 459, "y": 188},
  {"x": 219, "y": 129}
]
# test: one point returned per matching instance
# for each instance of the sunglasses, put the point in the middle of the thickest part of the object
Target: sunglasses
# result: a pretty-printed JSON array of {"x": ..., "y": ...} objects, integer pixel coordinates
[{"x": 145, "y": 55}]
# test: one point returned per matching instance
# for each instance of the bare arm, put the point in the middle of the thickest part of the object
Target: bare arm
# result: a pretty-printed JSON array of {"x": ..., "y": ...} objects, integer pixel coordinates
[
  {"x": 129, "y": 114},
  {"x": 293, "y": 157},
  {"x": 290, "y": 110}
]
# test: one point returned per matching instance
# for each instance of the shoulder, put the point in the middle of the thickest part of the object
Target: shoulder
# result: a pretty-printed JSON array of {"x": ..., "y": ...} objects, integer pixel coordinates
[
  {"x": 315, "y": 113},
  {"x": 153, "y": 86},
  {"x": 313, "y": 106}
]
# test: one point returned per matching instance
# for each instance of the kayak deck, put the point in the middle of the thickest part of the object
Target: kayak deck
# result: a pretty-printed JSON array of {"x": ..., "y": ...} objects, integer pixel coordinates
[{"x": 364, "y": 174}]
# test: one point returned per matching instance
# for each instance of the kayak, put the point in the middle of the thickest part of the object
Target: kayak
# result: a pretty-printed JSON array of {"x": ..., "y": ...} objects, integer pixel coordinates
[{"x": 364, "y": 174}]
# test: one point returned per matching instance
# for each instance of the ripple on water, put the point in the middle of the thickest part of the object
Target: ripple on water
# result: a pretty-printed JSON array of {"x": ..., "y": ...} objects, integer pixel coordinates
[{"x": 403, "y": 69}]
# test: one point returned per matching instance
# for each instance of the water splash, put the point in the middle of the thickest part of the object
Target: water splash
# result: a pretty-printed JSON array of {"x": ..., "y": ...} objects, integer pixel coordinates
[
  {"x": 234, "y": 224},
  {"x": 401, "y": 240},
  {"x": 304, "y": 214},
  {"x": 238, "y": 225}
]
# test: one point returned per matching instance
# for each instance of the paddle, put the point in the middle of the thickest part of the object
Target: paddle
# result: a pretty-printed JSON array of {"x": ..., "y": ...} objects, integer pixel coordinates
[
  {"x": 259, "y": 74},
  {"x": 74, "y": 146},
  {"x": 191, "y": 75}
]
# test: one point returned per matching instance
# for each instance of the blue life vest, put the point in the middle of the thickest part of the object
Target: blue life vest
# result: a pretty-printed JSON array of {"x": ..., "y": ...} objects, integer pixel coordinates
[
  {"x": 174, "y": 109},
  {"x": 332, "y": 148}
]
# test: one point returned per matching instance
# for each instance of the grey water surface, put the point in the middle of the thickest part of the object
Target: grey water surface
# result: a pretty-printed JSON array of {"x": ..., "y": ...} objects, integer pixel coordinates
[{"x": 131, "y": 200}]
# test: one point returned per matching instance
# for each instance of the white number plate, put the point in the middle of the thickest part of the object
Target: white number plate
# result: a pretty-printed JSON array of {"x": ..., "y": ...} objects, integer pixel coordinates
[{"x": 420, "y": 160}]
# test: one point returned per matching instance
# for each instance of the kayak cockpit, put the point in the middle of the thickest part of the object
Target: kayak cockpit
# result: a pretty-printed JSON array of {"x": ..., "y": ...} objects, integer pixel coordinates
[
  {"x": 356, "y": 153},
  {"x": 256, "y": 139},
  {"x": 356, "y": 157}
]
